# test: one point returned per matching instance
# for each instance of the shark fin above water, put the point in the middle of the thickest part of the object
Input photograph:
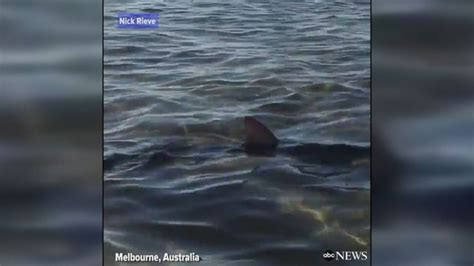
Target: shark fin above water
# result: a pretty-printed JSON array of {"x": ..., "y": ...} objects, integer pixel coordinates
[
  {"x": 258, "y": 136},
  {"x": 261, "y": 141}
]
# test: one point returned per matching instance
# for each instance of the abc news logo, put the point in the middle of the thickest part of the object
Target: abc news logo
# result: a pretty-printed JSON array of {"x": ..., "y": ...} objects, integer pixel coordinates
[{"x": 345, "y": 255}]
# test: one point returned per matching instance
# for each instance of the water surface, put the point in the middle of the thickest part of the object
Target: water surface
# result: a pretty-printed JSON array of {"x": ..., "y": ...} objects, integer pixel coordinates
[{"x": 176, "y": 179}]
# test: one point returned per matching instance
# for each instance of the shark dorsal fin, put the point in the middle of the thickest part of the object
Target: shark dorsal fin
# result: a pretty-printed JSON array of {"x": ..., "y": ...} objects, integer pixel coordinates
[{"x": 257, "y": 134}]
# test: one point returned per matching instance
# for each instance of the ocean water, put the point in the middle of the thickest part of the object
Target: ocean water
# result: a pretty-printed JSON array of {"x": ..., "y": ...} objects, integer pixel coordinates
[
  {"x": 175, "y": 176},
  {"x": 423, "y": 164},
  {"x": 51, "y": 136}
]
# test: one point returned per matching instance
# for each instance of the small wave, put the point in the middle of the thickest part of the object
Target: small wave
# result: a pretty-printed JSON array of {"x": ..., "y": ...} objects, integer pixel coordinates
[
  {"x": 152, "y": 10},
  {"x": 279, "y": 108},
  {"x": 127, "y": 50}
]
